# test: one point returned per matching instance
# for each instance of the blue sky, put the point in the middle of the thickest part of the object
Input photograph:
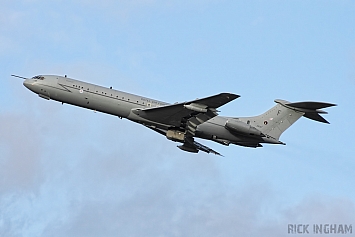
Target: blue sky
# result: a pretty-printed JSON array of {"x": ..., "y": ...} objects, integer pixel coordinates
[{"x": 66, "y": 171}]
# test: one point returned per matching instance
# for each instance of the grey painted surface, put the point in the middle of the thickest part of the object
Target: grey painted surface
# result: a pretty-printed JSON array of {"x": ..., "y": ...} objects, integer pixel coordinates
[{"x": 194, "y": 118}]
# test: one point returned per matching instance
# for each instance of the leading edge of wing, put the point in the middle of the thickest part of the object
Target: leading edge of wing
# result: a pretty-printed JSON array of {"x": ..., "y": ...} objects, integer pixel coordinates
[
  {"x": 215, "y": 101},
  {"x": 173, "y": 113}
]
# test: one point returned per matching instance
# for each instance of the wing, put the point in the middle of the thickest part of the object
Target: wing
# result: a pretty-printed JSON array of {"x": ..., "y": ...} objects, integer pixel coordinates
[{"x": 188, "y": 115}]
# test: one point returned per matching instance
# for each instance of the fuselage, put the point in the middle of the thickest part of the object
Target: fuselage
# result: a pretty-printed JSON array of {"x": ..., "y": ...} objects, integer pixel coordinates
[{"x": 118, "y": 103}]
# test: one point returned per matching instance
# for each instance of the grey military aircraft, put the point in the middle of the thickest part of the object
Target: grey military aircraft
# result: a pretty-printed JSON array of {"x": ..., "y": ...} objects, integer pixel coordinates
[{"x": 180, "y": 122}]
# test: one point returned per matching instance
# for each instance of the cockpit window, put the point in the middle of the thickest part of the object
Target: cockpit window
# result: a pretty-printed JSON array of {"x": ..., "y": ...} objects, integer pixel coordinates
[{"x": 38, "y": 77}]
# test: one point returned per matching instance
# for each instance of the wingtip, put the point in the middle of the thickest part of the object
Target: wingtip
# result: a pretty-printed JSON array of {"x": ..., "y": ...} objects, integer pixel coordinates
[
  {"x": 236, "y": 96},
  {"x": 231, "y": 95},
  {"x": 217, "y": 153}
]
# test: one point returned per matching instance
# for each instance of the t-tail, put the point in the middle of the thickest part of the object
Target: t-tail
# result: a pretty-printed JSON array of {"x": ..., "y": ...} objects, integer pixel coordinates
[{"x": 275, "y": 121}]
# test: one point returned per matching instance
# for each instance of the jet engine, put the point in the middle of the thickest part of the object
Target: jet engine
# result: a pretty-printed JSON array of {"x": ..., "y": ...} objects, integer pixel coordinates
[
  {"x": 175, "y": 135},
  {"x": 240, "y": 127}
]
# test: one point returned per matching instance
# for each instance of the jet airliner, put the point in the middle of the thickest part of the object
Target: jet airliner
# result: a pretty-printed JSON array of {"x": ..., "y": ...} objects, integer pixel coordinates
[{"x": 180, "y": 122}]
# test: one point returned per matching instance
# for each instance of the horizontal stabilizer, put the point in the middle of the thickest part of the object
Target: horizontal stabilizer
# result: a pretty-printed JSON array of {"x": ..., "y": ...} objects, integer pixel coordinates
[
  {"x": 310, "y": 105},
  {"x": 310, "y": 109},
  {"x": 316, "y": 117}
]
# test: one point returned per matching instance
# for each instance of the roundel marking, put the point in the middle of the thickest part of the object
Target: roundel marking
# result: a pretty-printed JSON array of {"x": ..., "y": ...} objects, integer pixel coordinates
[
  {"x": 81, "y": 91},
  {"x": 265, "y": 122}
]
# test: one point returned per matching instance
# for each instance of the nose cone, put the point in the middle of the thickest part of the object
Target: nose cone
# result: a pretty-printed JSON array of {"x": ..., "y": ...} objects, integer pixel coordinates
[{"x": 27, "y": 83}]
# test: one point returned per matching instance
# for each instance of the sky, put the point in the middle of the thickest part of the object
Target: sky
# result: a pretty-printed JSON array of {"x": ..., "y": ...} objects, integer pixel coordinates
[{"x": 67, "y": 171}]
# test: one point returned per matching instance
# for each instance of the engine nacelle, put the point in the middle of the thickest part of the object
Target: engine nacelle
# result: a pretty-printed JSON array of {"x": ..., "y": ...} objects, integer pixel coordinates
[
  {"x": 242, "y": 128},
  {"x": 196, "y": 108},
  {"x": 175, "y": 135}
]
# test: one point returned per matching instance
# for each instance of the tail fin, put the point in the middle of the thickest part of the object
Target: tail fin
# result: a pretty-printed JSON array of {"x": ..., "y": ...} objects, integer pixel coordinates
[
  {"x": 279, "y": 118},
  {"x": 311, "y": 109}
]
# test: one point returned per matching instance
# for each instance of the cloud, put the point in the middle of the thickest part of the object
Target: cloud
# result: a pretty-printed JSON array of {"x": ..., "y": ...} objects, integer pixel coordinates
[
  {"x": 66, "y": 171},
  {"x": 320, "y": 209},
  {"x": 85, "y": 180},
  {"x": 161, "y": 209},
  {"x": 62, "y": 176},
  {"x": 20, "y": 157}
]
